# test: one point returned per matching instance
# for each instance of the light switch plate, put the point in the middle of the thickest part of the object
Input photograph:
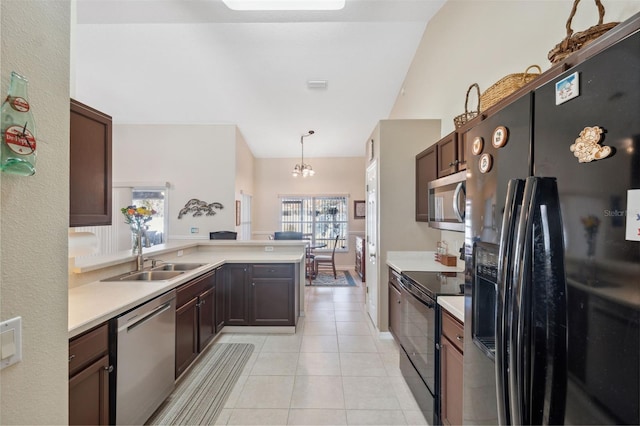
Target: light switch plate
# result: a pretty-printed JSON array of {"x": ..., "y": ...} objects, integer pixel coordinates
[{"x": 11, "y": 342}]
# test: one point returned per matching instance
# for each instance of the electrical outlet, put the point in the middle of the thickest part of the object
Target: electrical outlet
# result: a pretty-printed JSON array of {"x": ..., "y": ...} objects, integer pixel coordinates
[
  {"x": 180, "y": 252},
  {"x": 268, "y": 248},
  {"x": 194, "y": 230}
]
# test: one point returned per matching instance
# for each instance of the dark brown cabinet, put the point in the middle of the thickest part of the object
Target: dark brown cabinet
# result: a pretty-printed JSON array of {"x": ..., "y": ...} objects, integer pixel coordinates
[
  {"x": 89, "y": 370},
  {"x": 360, "y": 259},
  {"x": 90, "y": 166},
  {"x": 448, "y": 155},
  {"x": 195, "y": 319},
  {"x": 451, "y": 368},
  {"x": 426, "y": 171},
  {"x": 236, "y": 296},
  {"x": 260, "y": 294},
  {"x": 220, "y": 308}
]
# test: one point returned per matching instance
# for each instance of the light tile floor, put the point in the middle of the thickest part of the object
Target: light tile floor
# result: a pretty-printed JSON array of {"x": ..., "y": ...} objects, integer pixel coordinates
[{"x": 336, "y": 370}]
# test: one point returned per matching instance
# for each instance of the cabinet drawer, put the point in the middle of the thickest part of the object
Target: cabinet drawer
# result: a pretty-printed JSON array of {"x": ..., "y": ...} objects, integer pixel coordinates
[
  {"x": 453, "y": 330},
  {"x": 273, "y": 271},
  {"x": 194, "y": 288},
  {"x": 85, "y": 349}
]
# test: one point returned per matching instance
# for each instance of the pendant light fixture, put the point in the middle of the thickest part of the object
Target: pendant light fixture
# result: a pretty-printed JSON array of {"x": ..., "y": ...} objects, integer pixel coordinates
[{"x": 302, "y": 168}]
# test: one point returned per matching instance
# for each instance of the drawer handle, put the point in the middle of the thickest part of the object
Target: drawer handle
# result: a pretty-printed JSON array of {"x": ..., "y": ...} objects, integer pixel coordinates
[
  {"x": 459, "y": 337},
  {"x": 71, "y": 357}
]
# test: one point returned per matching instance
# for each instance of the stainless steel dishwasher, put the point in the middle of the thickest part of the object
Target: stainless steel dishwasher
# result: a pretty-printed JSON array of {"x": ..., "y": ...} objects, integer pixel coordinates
[{"x": 145, "y": 359}]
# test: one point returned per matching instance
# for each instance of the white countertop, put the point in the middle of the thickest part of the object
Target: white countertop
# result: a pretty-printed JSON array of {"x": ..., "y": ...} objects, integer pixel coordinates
[
  {"x": 453, "y": 304},
  {"x": 96, "y": 302},
  {"x": 419, "y": 261}
]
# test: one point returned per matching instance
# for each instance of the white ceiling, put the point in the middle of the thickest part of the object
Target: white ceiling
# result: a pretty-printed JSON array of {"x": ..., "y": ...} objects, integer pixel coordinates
[{"x": 196, "y": 61}]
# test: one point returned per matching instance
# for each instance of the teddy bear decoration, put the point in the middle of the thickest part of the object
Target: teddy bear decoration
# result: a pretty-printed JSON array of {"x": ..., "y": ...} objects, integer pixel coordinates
[{"x": 587, "y": 147}]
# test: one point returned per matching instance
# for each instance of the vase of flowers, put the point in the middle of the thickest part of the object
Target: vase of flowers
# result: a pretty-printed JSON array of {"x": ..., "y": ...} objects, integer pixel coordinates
[{"x": 137, "y": 218}]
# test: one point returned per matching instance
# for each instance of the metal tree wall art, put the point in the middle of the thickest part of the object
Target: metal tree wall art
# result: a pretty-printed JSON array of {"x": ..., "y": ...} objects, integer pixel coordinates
[{"x": 199, "y": 208}]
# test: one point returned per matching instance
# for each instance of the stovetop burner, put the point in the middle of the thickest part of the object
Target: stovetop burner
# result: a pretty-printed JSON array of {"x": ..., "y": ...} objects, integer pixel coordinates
[{"x": 437, "y": 283}]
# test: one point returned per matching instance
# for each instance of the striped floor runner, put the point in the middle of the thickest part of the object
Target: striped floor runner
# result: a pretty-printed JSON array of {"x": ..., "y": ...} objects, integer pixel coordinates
[{"x": 200, "y": 396}]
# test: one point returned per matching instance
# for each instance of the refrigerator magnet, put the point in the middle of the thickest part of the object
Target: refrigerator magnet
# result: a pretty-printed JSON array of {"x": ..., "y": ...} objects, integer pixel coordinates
[
  {"x": 499, "y": 137},
  {"x": 477, "y": 145},
  {"x": 568, "y": 88},
  {"x": 633, "y": 215},
  {"x": 485, "y": 163}
]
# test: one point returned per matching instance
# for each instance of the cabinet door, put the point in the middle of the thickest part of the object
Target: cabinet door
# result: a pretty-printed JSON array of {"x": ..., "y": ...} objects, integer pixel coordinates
[
  {"x": 206, "y": 317},
  {"x": 236, "y": 297},
  {"x": 90, "y": 167},
  {"x": 220, "y": 295},
  {"x": 451, "y": 365},
  {"x": 272, "y": 301},
  {"x": 186, "y": 335},
  {"x": 89, "y": 395},
  {"x": 426, "y": 171},
  {"x": 462, "y": 159},
  {"x": 448, "y": 155},
  {"x": 395, "y": 311}
]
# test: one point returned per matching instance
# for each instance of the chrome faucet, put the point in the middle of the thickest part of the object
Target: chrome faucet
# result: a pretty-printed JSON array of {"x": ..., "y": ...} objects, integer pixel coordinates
[{"x": 139, "y": 258}]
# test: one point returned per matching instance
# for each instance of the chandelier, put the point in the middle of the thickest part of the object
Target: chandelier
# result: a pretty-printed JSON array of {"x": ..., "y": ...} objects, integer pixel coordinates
[{"x": 302, "y": 168}]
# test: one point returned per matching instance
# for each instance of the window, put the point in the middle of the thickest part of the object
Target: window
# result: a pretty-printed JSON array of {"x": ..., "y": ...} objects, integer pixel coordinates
[
  {"x": 319, "y": 219},
  {"x": 154, "y": 199}
]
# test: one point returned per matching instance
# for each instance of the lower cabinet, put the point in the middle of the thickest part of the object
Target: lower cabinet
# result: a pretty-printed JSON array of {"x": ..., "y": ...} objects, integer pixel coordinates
[
  {"x": 195, "y": 319},
  {"x": 451, "y": 367},
  {"x": 89, "y": 370},
  {"x": 260, "y": 294}
]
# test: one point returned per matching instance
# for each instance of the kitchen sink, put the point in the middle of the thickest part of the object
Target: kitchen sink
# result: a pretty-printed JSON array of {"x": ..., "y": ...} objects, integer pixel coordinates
[
  {"x": 178, "y": 266},
  {"x": 146, "y": 276}
]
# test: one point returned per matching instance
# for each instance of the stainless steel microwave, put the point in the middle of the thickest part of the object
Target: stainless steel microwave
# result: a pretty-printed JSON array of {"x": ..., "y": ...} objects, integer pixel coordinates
[{"x": 447, "y": 198}]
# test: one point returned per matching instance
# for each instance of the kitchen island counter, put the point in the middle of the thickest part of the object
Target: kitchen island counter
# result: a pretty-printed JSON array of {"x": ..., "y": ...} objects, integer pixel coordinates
[{"x": 95, "y": 302}]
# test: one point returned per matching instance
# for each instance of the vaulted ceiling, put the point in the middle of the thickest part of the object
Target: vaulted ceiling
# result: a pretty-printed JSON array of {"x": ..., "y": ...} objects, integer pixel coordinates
[{"x": 198, "y": 62}]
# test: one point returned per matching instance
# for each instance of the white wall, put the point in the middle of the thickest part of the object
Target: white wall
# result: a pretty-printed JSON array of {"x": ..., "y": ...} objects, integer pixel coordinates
[
  {"x": 199, "y": 161},
  {"x": 334, "y": 176},
  {"x": 34, "y": 216},
  {"x": 244, "y": 171},
  {"x": 471, "y": 41}
]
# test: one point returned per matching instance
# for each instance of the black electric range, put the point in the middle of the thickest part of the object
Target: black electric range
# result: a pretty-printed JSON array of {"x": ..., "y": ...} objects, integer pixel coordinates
[
  {"x": 419, "y": 334},
  {"x": 435, "y": 284}
]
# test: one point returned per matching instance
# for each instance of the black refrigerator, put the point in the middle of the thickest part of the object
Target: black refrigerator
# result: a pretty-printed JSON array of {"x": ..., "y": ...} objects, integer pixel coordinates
[{"x": 552, "y": 250}]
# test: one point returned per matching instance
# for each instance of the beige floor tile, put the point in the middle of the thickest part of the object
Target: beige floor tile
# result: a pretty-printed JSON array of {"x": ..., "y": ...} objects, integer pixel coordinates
[
  {"x": 369, "y": 393},
  {"x": 256, "y": 339},
  {"x": 282, "y": 343},
  {"x": 235, "y": 392},
  {"x": 322, "y": 316},
  {"x": 318, "y": 364},
  {"x": 404, "y": 395},
  {"x": 223, "y": 417},
  {"x": 349, "y": 306},
  {"x": 275, "y": 364},
  {"x": 348, "y": 328},
  {"x": 387, "y": 345},
  {"x": 320, "y": 329},
  {"x": 318, "y": 392},
  {"x": 356, "y": 344},
  {"x": 320, "y": 306},
  {"x": 310, "y": 416},
  {"x": 266, "y": 392},
  {"x": 352, "y": 316},
  {"x": 414, "y": 417},
  {"x": 375, "y": 417},
  {"x": 319, "y": 344},
  {"x": 391, "y": 362},
  {"x": 258, "y": 417},
  {"x": 362, "y": 364}
]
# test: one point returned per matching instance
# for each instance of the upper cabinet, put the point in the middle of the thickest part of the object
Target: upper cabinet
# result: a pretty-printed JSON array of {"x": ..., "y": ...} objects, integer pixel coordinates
[
  {"x": 90, "y": 167},
  {"x": 426, "y": 171},
  {"x": 451, "y": 155}
]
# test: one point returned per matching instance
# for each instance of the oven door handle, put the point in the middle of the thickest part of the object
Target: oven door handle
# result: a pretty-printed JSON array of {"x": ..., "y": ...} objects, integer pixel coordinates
[{"x": 430, "y": 304}]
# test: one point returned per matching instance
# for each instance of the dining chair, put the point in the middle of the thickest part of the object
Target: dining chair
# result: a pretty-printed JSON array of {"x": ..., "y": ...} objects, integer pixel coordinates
[
  {"x": 326, "y": 261},
  {"x": 223, "y": 235}
]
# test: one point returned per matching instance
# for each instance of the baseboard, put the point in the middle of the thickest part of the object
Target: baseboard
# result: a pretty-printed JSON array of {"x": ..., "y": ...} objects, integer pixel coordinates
[{"x": 259, "y": 329}]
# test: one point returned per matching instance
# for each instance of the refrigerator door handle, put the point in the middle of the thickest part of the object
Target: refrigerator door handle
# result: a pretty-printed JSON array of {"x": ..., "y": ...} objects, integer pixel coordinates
[
  {"x": 518, "y": 342},
  {"x": 510, "y": 219}
]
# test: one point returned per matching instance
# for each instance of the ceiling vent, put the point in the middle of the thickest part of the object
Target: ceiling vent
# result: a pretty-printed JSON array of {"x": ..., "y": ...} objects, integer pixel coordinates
[{"x": 317, "y": 84}]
